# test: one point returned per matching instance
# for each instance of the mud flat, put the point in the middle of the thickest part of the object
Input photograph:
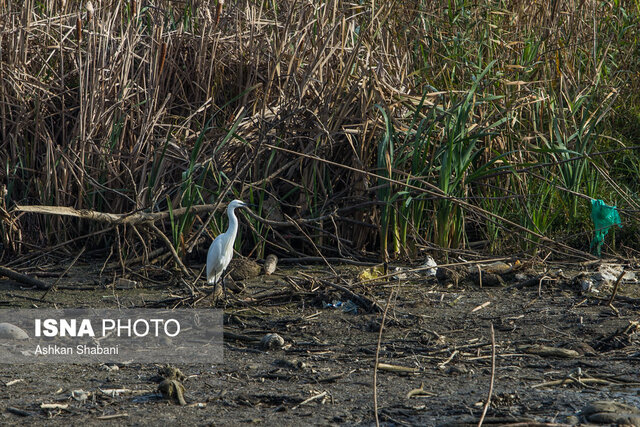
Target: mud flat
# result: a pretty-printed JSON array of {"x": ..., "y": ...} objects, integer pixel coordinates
[{"x": 557, "y": 349}]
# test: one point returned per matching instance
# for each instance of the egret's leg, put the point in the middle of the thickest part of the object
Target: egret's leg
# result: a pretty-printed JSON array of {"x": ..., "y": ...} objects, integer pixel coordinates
[
  {"x": 215, "y": 294},
  {"x": 224, "y": 287}
]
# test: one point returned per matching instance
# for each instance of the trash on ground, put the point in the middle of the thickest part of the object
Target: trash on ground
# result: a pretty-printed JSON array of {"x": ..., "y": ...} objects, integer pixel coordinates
[
  {"x": 371, "y": 273},
  {"x": 80, "y": 395},
  {"x": 399, "y": 275},
  {"x": 604, "y": 277},
  {"x": 430, "y": 262},
  {"x": 348, "y": 306},
  {"x": 604, "y": 217},
  {"x": 54, "y": 405}
]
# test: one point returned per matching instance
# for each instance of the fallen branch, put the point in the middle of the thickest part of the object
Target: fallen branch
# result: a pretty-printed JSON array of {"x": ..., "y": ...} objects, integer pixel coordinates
[
  {"x": 134, "y": 218},
  {"x": 19, "y": 277},
  {"x": 65, "y": 272}
]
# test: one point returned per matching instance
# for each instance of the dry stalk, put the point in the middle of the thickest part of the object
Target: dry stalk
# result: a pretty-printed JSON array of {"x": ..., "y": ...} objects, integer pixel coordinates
[
  {"x": 375, "y": 366},
  {"x": 176, "y": 258},
  {"x": 615, "y": 287},
  {"x": 493, "y": 375}
]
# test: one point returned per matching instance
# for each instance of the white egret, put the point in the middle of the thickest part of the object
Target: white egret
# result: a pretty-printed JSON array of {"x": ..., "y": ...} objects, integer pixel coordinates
[{"x": 221, "y": 250}]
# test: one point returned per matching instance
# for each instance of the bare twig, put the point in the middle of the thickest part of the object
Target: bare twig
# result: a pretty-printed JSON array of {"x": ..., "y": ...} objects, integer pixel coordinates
[
  {"x": 65, "y": 272},
  {"x": 493, "y": 375},
  {"x": 311, "y": 399},
  {"x": 615, "y": 287},
  {"x": 375, "y": 367},
  {"x": 171, "y": 249}
]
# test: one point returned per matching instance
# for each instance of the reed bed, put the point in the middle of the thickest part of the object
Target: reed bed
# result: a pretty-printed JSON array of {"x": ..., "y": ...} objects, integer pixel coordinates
[{"x": 400, "y": 126}]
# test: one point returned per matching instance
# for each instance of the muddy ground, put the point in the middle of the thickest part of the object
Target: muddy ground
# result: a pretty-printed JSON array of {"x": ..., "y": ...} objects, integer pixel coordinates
[{"x": 324, "y": 373}]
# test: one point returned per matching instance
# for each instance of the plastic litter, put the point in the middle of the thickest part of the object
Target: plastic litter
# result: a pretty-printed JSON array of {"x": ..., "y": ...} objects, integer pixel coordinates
[
  {"x": 430, "y": 262},
  {"x": 604, "y": 277},
  {"x": 399, "y": 273},
  {"x": 348, "y": 306},
  {"x": 372, "y": 273},
  {"x": 604, "y": 217}
]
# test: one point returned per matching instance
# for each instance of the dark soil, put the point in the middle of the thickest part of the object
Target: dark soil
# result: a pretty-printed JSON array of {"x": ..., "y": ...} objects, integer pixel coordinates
[{"x": 329, "y": 354}]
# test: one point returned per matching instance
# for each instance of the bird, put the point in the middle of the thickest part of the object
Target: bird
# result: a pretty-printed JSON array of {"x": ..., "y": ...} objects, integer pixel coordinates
[{"x": 221, "y": 249}]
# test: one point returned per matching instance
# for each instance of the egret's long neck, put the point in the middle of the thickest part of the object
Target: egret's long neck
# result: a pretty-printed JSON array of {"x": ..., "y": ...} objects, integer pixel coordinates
[{"x": 233, "y": 225}]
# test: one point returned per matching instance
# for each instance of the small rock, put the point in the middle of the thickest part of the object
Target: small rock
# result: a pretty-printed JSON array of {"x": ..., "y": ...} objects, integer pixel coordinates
[
  {"x": 611, "y": 412},
  {"x": 244, "y": 268},
  {"x": 572, "y": 420},
  {"x": 270, "y": 264},
  {"x": 272, "y": 341},
  {"x": 12, "y": 332}
]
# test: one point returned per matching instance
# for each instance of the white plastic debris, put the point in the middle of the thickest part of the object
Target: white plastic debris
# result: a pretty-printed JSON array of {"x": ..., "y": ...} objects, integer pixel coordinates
[
  {"x": 607, "y": 274},
  {"x": 80, "y": 395},
  {"x": 399, "y": 273},
  {"x": 587, "y": 285},
  {"x": 430, "y": 262}
]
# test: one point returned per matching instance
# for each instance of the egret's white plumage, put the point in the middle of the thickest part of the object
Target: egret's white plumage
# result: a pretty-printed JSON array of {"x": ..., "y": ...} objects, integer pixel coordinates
[{"x": 221, "y": 250}]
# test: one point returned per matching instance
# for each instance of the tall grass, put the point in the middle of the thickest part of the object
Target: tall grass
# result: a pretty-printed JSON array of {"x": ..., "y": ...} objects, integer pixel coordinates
[{"x": 503, "y": 105}]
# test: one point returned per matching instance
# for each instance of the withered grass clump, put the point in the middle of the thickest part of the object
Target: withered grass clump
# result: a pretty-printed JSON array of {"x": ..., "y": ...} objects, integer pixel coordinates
[{"x": 460, "y": 124}]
